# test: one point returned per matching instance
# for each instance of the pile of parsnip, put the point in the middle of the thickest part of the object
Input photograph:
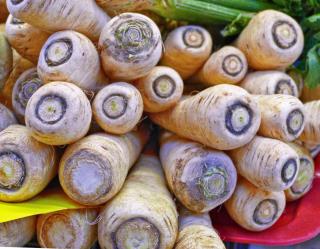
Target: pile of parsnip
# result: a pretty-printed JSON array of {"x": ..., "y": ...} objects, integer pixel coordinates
[{"x": 76, "y": 89}]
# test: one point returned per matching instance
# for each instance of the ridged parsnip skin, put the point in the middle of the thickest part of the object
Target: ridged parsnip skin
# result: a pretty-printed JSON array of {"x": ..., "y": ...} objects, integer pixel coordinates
[
  {"x": 196, "y": 232},
  {"x": 20, "y": 66},
  {"x": 83, "y": 16},
  {"x": 228, "y": 65},
  {"x": 313, "y": 149},
  {"x": 161, "y": 89},
  {"x": 118, "y": 108},
  {"x": 222, "y": 117},
  {"x": 139, "y": 217},
  {"x": 130, "y": 46},
  {"x": 255, "y": 209},
  {"x": 7, "y": 118},
  {"x": 25, "y": 39},
  {"x": 70, "y": 56},
  {"x": 282, "y": 116},
  {"x": 303, "y": 182},
  {"x": 17, "y": 233},
  {"x": 267, "y": 163},
  {"x": 6, "y": 60},
  {"x": 26, "y": 165},
  {"x": 26, "y": 85},
  {"x": 200, "y": 178},
  {"x": 311, "y": 132},
  {"x": 93, "y": 170},
  {"x": 269, "y": 82},
  {"x": 186, "y": 49},
  {"x": 114, "y": 8},
  {"x": 68, "y": 229},
  {"x": 58, "y": 113},
  {"x": 271, "y": 40}
]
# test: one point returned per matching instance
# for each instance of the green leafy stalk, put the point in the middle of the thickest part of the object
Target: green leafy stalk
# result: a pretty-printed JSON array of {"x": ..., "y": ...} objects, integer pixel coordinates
[{"x": 312, "y": 65}]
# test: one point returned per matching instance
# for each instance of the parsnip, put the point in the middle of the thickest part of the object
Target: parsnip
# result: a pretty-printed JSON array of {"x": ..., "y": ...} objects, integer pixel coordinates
[
  {"x": 138, "y": 217},
  {"x": 223, "y": 117},
  {"x": 196, "y": 232},
  {"x": 282, "y": 116},
  {"x": 304, "y": 179},
  {"x": 26, "y": 165},
  {"x": 7, "y": 118},
  {"x": 161, "y": 89},
  {"x": 70, "y": 56},
  {"x": 17, "y": 233},
  {"x": 313, "y": 149},
  {"x": 267, "y": 163},
  {"x": 58, "y": 113},
  {"x": 310, "y": 94},
  {"x": 228, "y": 65},
  {"x": 25, "y": 39},
  {"x": 200, "y": 178},
  {"x": 255, "y": 209},
  {"x": 269, "y": 82},
  {"x": 186, "y": 49},
  {"x": 26, "y": 85},
  {"x": 118, "y": 108},
  {"x": 83, "y": 16},
  {"x": 93, "y": 170},
  {"x": 68, "y": 229},
  {"x": 271, "y": 40},
  {"x": 3, "y": 11},
  {"x": 298, "y": 79},
  {"x": 130, "y": 46},
  {"x": 6, "y": 60},
  {"x": 311, "y": 132}
]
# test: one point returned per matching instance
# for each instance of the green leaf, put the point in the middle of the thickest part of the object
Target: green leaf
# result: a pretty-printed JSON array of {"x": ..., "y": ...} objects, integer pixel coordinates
[
  {"x": 312, "y": 22},
  {"x": 312, "y": 73}
]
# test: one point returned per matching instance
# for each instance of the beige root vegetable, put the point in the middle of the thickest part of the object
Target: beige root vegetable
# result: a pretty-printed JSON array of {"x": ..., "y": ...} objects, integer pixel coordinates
[
  {"x": 130, "y": 46},
  {"x": 271, "y": 40},
  {"x": 311, "y": 132},
  {"x": 25, "y": 39},
  {"x": 7, "y": 118},
  {"x": 303, "y": 182},
  {"x": 269, "y": 82},
  {"x": 313, "y": 149},
  {"x": 310, "y": 94},
  {"x": 228, "y": 65},
  {"x": 200, "y": 178},
  {"x": 3, "y": 11},
  {"x": 196, "y": 232},
  {"x": 255, "y": 209},
  {"x": 58, "y": 113},
  {"x": 6, "y": 60},
  {"x": 186, "y": 49},
  {"x": 282, "y": 116},
  {"x": 161, "y": 89},
  {"x": 68, "y": 229},
  {"x": 83, "y": 16},
  {"x": 17, "y": 233},
  {"x": 267, "y": 163},
  {"x": 94, "y": 169},
  {"x": 298, "y": 79},
  {"x": 26, "y": 165},
  {"x": 26, "y": 85},
  {"x": 70, "y": 56},
  {"x": 143, "y": 214},
  {"x": 223, "y": 117},
  {"x": 118, "y": 108}
]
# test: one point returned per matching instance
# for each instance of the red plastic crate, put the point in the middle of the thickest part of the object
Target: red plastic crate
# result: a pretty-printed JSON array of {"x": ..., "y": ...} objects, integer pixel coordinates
[{"x": 300, "y": 221}]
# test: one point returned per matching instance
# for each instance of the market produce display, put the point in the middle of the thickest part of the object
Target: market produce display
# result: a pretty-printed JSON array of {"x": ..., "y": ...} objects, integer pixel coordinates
[{"x": 148, "y": 115}]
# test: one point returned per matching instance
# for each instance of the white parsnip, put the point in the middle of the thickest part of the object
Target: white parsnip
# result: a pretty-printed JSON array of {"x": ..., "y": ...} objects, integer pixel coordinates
[
  {"x": 130, "y": 46},
  {"x": 222, "y": 117},
  {"x": 255, "y": 209},
  {"x": 267, "y": 163},
  {"x": 118, "y": 108},
  {"x": 7, "y": 118},
  {"x": 68, "y": 229},
  {"x": 269, "y": 82},
  {"x": 200, "y": 178},
  {"x": 161, "y": 89},
  {"x": 26, "y": 165},
  {"x": 58, "y": 113},
  {"x": 186, "y": 49},
  {"x": 83, "y": 16},
  {"x": 138, "y": 217},
  {"x": 25, "y": 39},
  {"x": 311, "y": 132},
  {"x": 271, "y": 40}
]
